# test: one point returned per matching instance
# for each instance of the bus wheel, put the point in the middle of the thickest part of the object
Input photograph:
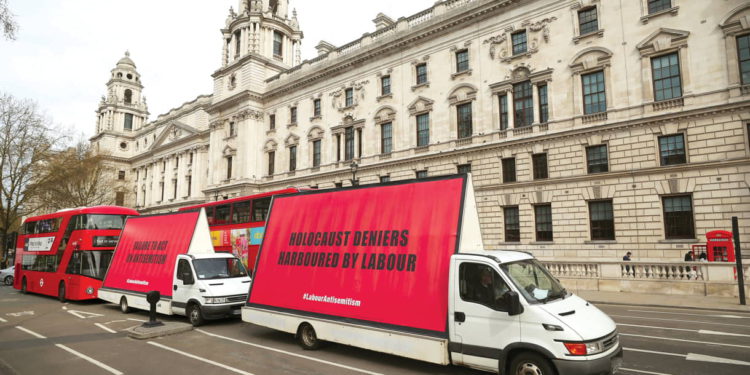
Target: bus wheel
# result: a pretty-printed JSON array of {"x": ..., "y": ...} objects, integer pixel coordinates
[
  {"x": 8, "y": 280},
  {"x": 527, "y": 363},
  {"x": 307, "y": 338},
  {"x": 61, "y": 292},
  {"x": 124, "y": 305},
  {"x": 194, "y": 314},
  {"x": 23, "y": 286}
]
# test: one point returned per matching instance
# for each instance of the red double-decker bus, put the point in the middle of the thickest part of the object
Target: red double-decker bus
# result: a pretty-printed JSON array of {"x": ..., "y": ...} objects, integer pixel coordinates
[
  {"x": 66, "y": 254},
  {"x": 237, "y": 225}
]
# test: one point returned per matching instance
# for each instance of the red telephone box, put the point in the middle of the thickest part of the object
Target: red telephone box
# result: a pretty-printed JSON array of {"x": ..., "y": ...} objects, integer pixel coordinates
[{"x": 720, "y": 247}]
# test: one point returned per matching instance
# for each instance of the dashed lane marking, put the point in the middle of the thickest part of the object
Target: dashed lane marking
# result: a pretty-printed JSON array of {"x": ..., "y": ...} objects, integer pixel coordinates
[
  {"x": 77, "y": 354},
  {"x": 137, "y": 320},
  {"x": 200, "y": 358},
  {"x": 3, "y": 320},
  {"x": 654, "y": 352},
  {"x": 288, "y": 353},
  {"x": 30, "y": 332},
  {"x": 102, "y": 326},
  {"x": 693, "y": 357},
  {"x": 643, "y": 372},
  {"x": 726, "y": 316},
  {"x": 683, "y": 340}
]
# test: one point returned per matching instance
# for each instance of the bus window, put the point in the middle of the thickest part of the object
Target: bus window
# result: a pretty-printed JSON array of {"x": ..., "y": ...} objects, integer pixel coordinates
[
  {"x": 48, "y": 225},
  {"x": 89, "y": 263},
  {"x": 241, "y": 212},
  {"x": 210, "y": 215},
  {"x": 222, "y": 215},
  {"x": 66, "y": 236},
  {"x": 100, "y": 222},
  {"x": 29, "y": 227},
  {"x": 260, "y": 208}
]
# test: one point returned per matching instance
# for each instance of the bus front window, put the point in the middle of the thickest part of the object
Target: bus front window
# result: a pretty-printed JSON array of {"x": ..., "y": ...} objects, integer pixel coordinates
[{"x": 103, "y": 221}]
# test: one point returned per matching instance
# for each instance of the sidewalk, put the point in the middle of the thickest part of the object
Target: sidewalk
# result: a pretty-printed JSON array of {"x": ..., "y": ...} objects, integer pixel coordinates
[{"x": 665, "y": 300}]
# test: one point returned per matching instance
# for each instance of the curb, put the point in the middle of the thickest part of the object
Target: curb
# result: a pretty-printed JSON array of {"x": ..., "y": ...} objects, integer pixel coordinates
[{"x": 668, "y": 306}]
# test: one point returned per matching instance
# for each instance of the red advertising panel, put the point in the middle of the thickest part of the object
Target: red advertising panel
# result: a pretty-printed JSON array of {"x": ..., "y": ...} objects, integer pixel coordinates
[
  {"x": 145, "y": 255},
  {"x": 378, "y": 254}
]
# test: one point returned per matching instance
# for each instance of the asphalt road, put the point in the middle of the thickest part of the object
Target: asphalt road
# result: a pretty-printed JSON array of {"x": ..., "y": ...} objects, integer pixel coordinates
[{"x": 39, "y": 335}]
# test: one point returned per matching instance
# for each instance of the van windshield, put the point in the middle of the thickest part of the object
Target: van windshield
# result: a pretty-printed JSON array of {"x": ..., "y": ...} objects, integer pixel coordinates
[
  {"x": 219, "y": 268},
  {"x": 534, "y": 281}
]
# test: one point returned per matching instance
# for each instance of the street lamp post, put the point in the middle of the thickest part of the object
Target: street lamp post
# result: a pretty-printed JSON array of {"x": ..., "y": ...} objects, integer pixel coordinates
[{"x": 353, "y": 166}]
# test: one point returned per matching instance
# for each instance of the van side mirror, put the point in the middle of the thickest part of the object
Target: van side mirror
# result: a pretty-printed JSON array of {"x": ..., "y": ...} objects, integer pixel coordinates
[
  {"x": 514, "y": 304},
  {"x": 187, "y": 278}
]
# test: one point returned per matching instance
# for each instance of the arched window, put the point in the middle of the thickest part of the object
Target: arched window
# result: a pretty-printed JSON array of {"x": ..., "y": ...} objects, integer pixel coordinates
[{"x": 128, "y": 96}]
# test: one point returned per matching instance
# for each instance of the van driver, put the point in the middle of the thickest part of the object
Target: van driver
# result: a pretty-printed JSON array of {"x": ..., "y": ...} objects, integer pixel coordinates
[{"x": 488, "y": 292}]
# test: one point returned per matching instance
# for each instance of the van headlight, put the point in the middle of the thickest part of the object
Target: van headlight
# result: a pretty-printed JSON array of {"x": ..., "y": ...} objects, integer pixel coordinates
[{"x": 215, "y": 300}]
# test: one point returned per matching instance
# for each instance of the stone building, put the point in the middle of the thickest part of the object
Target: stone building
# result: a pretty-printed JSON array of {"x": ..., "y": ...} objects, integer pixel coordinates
[{"x": 590, "y": 127}]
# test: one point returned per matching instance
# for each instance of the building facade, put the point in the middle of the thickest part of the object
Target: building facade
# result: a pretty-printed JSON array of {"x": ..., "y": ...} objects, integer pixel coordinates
[{"x": 590, "y": 127}]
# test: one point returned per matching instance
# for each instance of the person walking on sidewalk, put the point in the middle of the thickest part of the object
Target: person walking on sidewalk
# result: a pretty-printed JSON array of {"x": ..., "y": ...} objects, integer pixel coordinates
[{"x": 626, "y": 258}]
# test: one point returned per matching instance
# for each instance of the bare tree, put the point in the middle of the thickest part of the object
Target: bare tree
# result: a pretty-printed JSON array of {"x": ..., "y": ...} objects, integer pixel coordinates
[
  {"x": 26, "y": 142},
  {"x": 9, "y": 25},
  {"x": 75, "y": 177}
]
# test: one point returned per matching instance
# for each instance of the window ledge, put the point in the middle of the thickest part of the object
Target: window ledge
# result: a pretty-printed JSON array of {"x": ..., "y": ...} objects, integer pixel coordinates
[
  {"x": 680, "y": 241},
  {"x": 318, "y": 117},
  {"x": 598, "y": 33},
  {"x": 518, "y": 56},
  {"x": 420, "y": 85},
  {"x": 270, "y": 131},
  {"x": 509, "y": 243},
  {"x": 386, "y": 96},
  {"x": 230, "y": 137},
  {"x": 466, "y": 72},
  {"x": 385, "y": 156},
  {"x": 648, "y": 17},
  {"x": 464, "y": 141},
  {"x": 669, "y": 103},
  {"x": 600, "y": 242},
  {"x": 542, "y": 243},
  {"x": 347, "y": 108},
  {"x": 314, "y": 169},
  {"x": 421, "y": 149},
  {"x": 291, "y": 125},
  {"x": 594, "y": 117},
  {"x": 290, "y": 173}
]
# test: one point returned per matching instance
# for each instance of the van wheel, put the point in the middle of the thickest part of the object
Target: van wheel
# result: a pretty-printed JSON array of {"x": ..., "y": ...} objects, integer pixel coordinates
[
  {"x": 528, "y": 363},
  {"x": 23, "y": 286},
  {"x": 61, "y": 292},
  {"x": 124, "y": 308},
  {"x": 307, "y": 338},
  {"x": 194, "y": 315}
]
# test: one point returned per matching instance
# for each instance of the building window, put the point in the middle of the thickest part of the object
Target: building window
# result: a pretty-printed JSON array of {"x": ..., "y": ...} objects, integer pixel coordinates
[
  {"x": 349, "y": 143},
  {"x": 384, "y": 179},
  {"x": 316, "y": 107},
  {"x": 229, "y": 167},
  {"x": 278, "y": 43},
  {"x": 128, "y": 122},
  {"x": 386, "y": 138},
  {"x": 587, "y": 21},
  {"x": 359, "y": 143},
  {"x": 174, "y": 189},
  {"x": 385, "y": 85},
  {"x": 539, "y": 163},
  {"x": 596, "y": 158},
  {"x": 271, "y": 162},
  {"x": 237, "y": 41},
  {"x": 464, "y": 120},
  {"x": 422, "y": 174},
  {"x": 423, "y": 130},
  {"x": 509, "y": 169},
  {"x": 349, "y": 97},
  {"x": 121, "y": 175},
  {"x": 316, "y": 153},
  {"x": 292, "y": 158},
  {"x": 743, "y": 52},
  {"x": 602, "y": 220},
  {"x": 658, "y": 5},
  {"x": 464, "y": 168},
  {"x": 503, "y": 111},
  {"x": 293, "y": 115},
  {"x": 543, "y": 218},
  {"x": 119, "y": 199},
  {"x": 189, "y": 185},
  {"x": 666, "y": 71},
  {"x": 543, "y": 104},
  {"x": 232, "y": 129},
  {"x": 338, "y": 147},
  {"x": 338, "y": 184},
  {"x": 594, "y": 94},
  {"x": 523, "y": 104},
  {"x": 672, "y": 149},
  {"x": 191, "y": 159},
  {"x": 161, "y": 188},
  {"x": 128, "y": 96},
  {"x": 462, "y": 61},
  {"x": 421, "y": 74},
  {"x": 272, "y": 122},
  {"x": 519, "y": 42},
  {"x": 678, "y": 217},
  {"x": 512, "y": 224}
]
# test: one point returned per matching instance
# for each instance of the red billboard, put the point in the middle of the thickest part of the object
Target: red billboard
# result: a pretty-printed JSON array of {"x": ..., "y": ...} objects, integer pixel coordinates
[
  {"x": 144, "y": 259},
  {"x": 375, "y": 254}
]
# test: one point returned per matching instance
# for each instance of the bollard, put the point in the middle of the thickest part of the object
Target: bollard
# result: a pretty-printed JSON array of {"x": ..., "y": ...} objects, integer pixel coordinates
[{"x": 152, "y": 297}]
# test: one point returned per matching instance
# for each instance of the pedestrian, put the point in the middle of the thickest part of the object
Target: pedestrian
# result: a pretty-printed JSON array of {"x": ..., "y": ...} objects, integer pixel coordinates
[
  {"x": 703, "y": 257},
  {"x": 626, "y": 258},
  {"x": 689, "y": 257}
]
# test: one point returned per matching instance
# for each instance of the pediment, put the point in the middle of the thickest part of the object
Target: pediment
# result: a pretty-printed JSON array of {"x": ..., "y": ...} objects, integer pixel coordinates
[
  {"x": 385, "y": 113},
  {"x": 316, "y": 132},
  {"x": 228, "y": 151},
  {"x": 462, "y": 92},
  {"x": 173, "y": 132},
  {"x": 291, "y": 140},
  {"x": 420, "y": 104},
  {"x": 590, "y": 58},
  {"x": 270, "y": 145},
  {"x": 663, "y": 39},
  {"x": 737, "y": 21}
]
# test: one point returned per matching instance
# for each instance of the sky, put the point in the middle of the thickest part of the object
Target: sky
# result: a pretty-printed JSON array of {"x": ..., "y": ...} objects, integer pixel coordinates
[{"x": 64, "y": 51}]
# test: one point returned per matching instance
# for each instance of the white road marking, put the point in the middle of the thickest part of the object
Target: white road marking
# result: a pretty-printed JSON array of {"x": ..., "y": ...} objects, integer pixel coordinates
[
  {"x": 22, "y": 313},
  {"x": 31, "y": 332},
  {"x": 102, "y": 326},
  {"x": 654, "y": 352},
  {"x": 677, "y": 320},
  {"x": 137, "y": 320},
  {"x": 700, "y": 331},
  {"x": 705, "y": 315},
  {"x": 3, "y": 320},
  {"x": 683, "y": 340},
  {"x": 655, "y": 327},
  {"x": 643, "y": 372},
  {"x": 116, "y": 321},
  {"x": 84, "y": 314},
  {"x": 65, "y": 307},
  {"x": 200, "y": 359},
  {"x": 89, "y": 359},
  {"x": 708, "y": 358},
  {"x": 663, "y": 308},
  {"x": 288, "y": 353},
  {"x": 707, "y": 332}
]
